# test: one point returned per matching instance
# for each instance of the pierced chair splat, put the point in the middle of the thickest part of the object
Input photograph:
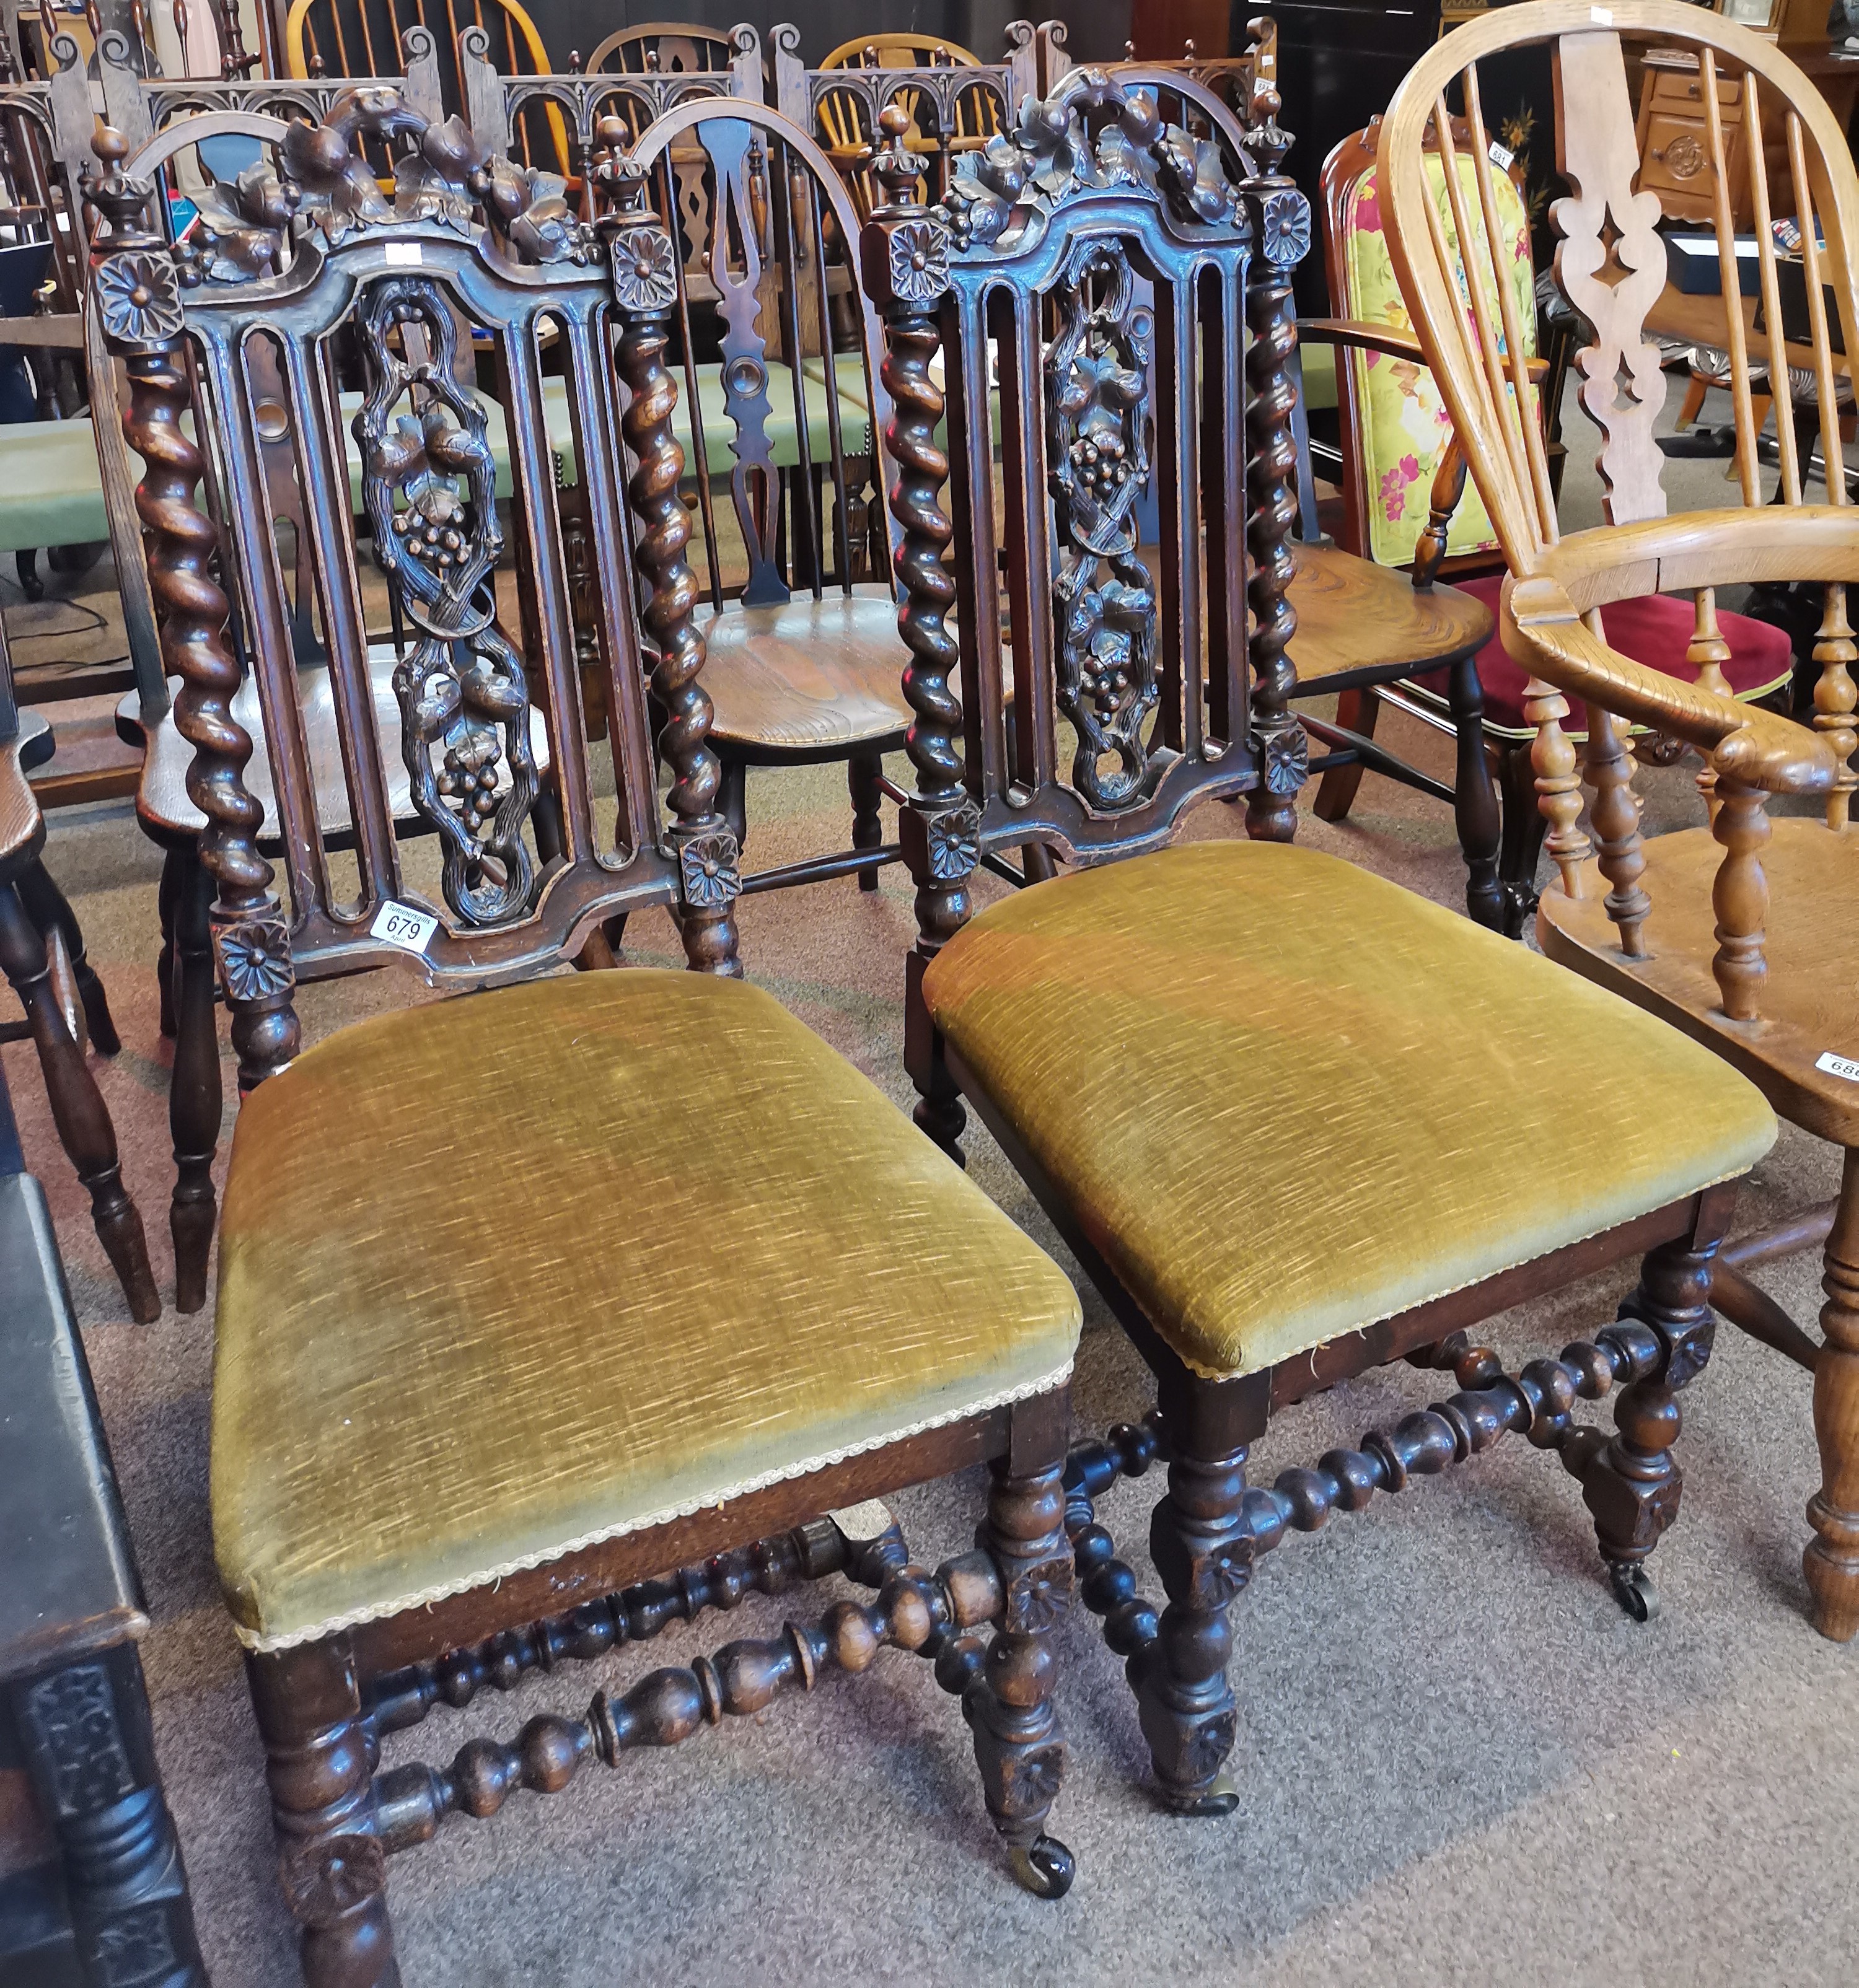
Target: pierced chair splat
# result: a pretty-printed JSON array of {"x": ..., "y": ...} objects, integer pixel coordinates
[
  {"x": 1721, "y": 930},
  {"x": 1124, "y": 1028},
  {"x": 879, "y": 1321}
]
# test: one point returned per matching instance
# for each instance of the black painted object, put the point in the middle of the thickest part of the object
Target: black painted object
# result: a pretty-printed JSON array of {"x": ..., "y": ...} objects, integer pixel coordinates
[{"x": 92, "y": 1887}]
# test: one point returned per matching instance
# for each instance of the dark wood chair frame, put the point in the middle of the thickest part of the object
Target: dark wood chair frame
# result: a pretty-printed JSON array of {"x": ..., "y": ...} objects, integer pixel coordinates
[
  {"x": 323, "y": 1706},
  {"x": 42, "y": 953},
  {"x": 995, "y": 257}
]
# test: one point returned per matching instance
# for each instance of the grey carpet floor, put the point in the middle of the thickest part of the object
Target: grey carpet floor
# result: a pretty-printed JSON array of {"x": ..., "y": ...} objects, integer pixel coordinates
[{"x": 1460, "y": 1762}]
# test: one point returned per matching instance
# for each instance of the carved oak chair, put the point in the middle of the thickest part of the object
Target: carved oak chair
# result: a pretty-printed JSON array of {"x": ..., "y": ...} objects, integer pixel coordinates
[
  {"x": 444, "y": 1452},
  {"x": 1358, "y": 623},
  {"x": 1684, "y": 924},
  {"x": 1128, "y": 1028},
  {"x": 1404, "y": 485},
  {"x": 41, "y": 953}
]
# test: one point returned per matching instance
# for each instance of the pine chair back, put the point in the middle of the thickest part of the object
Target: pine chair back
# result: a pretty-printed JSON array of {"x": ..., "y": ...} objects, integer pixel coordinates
[
  {"x": 955, "y": 102},
  {"x": 293, "y": 263},
  {"x": 1611, "y": 264},
  {"x": 1133, "y": 693}
]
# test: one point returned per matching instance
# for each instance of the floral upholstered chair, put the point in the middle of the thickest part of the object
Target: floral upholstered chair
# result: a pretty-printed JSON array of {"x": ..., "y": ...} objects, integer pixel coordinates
[{"x": 1406, "y": 499}]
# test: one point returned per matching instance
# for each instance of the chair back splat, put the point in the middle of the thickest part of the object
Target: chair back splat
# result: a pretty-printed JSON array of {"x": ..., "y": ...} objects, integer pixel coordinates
[{"x": 301, "y": 263}]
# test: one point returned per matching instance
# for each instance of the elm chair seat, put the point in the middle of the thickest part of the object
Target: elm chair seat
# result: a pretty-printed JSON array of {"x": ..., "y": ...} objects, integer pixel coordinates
[
  {"x": 806, "y": 677},
  {"x": 161, "y": 795},
  {"x": 1379, "y": 1058},
  {"x": 1654, "y": 629},
  {"x": 506, "y": 1277}
]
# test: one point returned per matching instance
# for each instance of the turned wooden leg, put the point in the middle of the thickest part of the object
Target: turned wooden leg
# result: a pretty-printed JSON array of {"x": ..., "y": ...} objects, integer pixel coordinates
[
  {"x": 1203, "y": 1553},
  {"x": 1520, "y": 847},
  {"x": 1009, "y": 1705},
  {"x": 1831, "y": 1560},
  {"x": 1356, "y": 711},
  {"x": 1631, "y": 1484},
  {"x": 78, "y": 1110},
  {"x": 332, "y": 1866},
  {"x": 194, "y": 1089},
  {"x": 1475, "y": 799},
  {"x": 1694, "y": 391},
  {"x": 49, "y": 909},
  {"x": 174, "y": 866},
  {"x": 732, "y": 801},
  {"x": 863, "y": 772}
]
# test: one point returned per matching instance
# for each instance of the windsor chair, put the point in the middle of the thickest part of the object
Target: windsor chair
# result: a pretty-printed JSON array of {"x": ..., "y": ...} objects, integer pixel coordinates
[
  {"x": 1123, "y": 1028},
  {"x": 1405, "y": 497},
  {"x": 663, "y": 48},
  {"x": 414, "y": 1462},
  {"x": 41, "y": 953},
  {"x": 1722, "y": 931}
]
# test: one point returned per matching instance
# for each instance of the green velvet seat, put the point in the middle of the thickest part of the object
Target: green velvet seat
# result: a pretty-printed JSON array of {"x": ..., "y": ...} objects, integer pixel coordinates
[
  {"x": 536, "y": 1268},
  {"x": 51, "y": 493},
  {"x": 1285, "y": 1099}
]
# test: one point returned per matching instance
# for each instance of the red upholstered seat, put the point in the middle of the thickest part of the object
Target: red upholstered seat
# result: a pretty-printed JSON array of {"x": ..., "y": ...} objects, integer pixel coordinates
[{"x": 1654, "y": 630}]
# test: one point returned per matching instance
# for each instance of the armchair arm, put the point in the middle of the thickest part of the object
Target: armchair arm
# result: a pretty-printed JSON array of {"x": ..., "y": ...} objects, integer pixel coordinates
[
  {"x": 1358, "y": 336},
  {"x": 1544, "y": 630}
]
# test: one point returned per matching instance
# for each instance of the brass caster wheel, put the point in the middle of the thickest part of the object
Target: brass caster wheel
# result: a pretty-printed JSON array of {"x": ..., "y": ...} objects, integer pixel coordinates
[
  {"x": 1046, "y": 1869},
  {"x": 1220, "y": 1796},
  {"x": 1633, "y": 1589}
]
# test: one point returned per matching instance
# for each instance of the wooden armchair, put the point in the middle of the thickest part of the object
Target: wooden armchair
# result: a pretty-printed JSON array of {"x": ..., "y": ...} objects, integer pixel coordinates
[
  {"x": 1126, "y": 1029},
  {"x": 1405, "y": 499},
  {"x": 1682, "y": 924},
  {"x": 688, "y": 1280}
]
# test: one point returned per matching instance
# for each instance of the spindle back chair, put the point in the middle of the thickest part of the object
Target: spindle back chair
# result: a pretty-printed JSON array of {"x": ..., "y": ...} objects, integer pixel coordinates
[
  {"x": 1118, "y": 1026},
  {"x": 543, "y": 1538},
  {"x": 1765, "y": 980},
  {"x": 664, "y": 48},
  {"x": 954, "y": 101}
]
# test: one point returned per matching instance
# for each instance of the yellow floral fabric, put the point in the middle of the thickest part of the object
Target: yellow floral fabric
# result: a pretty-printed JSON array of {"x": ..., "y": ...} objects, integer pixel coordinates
[
  {"x": 1405, "y": 424},
  {"x": 1283, "y": 1099},
  {"x": 508, "y": 1275}
]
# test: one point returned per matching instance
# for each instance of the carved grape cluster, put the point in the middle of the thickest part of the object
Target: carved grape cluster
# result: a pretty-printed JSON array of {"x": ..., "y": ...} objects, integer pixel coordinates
[{"x": 467, "y": 773}]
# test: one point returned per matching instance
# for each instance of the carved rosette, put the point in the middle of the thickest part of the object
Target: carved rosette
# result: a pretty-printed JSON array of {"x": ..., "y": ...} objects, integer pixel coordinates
[
  {"x": 1284, "y": 759},
  {"x": 645, "y": 269},
  {"x": 138, "y": 300},
  {"x": 953, "y": 837},
  {"x": 255, "y": 961},
  {"x": 1284, "y": 227},
  {"x": 917, "y": 260},
  {"x": 325, "y": 1880},
  {"x": 708, "y": 875}
]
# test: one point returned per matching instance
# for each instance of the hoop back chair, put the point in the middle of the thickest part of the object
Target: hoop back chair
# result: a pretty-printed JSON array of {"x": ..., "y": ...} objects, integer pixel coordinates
[
  {"x": 1121, "y": 1026},
  {"x": 1402, "y": 464},
  {"x": 803, "y": 648},
  {"x": 1685, "y": 923},
  {"x": 580, "y": 1446},
  {"x": 668, "y": 48}
]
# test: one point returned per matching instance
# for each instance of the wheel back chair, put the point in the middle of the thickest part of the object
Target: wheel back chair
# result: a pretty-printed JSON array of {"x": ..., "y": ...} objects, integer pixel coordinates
[
  {"x": 1402, "y": 459},
  {"x": 41, "y": 953},
  {"x": 1124, "y": 1029},
  {"x": 455, "y": 1416},
  {"x": 1684, "y": 924}
]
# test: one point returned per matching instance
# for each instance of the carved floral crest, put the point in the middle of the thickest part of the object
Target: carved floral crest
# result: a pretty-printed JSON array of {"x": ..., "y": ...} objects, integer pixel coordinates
[
  {"x": 1014, "y": 181},
  {"x": 255, "y": 961}
]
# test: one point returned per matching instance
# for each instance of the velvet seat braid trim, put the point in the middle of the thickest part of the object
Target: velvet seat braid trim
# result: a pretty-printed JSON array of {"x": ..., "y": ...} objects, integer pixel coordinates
[
  {"x": 506, "y": 1276},
  {"x": 1285, "y": 1099}
]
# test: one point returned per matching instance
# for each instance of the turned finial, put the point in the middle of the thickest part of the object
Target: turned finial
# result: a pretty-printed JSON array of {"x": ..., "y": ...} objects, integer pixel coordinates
[{"x": 897, "y": 171}]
